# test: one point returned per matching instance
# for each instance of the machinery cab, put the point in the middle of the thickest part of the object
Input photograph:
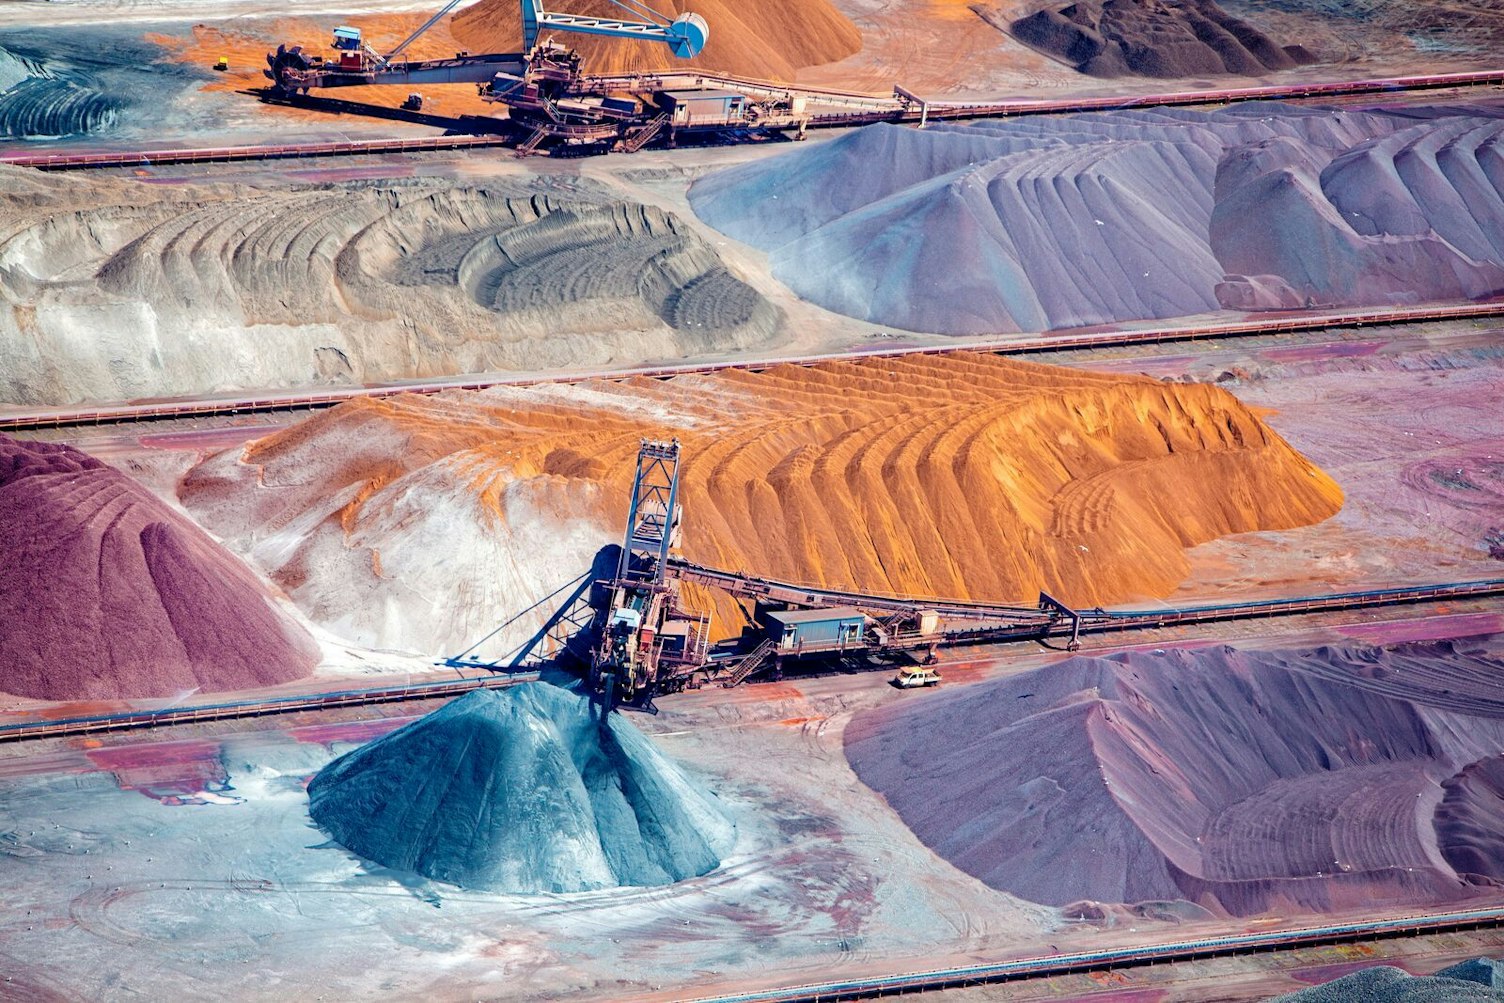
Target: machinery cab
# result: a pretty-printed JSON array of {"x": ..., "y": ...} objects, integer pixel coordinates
[
  {"x": 349, "y": 48},
  {"x": 823, "y": 630},
  {"x": 625, "y": 621}
]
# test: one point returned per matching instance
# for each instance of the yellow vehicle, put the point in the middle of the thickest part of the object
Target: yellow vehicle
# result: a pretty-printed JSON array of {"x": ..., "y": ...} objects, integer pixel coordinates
[
  {"x": 223, "y": 64},
  {"x": 911, "y": 676}
]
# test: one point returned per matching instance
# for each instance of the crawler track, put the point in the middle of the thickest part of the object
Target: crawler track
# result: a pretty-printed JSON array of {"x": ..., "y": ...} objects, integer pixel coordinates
[
  {"x": 1274, "y": 323},
  {"x": 1125, "y": 957},
  {"x": 131, "y": 720}
]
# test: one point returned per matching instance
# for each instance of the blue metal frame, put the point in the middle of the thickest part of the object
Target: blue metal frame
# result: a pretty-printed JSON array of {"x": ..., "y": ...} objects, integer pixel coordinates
[{"x": 685, "y": 35}]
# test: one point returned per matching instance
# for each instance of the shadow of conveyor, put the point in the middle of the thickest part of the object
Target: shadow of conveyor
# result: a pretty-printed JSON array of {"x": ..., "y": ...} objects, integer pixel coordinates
[{"x": 453, "y": 125}]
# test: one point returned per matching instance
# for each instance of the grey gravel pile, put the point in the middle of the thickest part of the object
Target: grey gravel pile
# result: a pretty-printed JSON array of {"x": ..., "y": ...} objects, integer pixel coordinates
[{"x": 1472, "y": 980}]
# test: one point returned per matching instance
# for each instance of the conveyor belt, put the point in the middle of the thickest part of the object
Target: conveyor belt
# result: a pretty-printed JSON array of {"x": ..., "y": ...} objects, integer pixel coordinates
[{"x": 1271, "y": 323}]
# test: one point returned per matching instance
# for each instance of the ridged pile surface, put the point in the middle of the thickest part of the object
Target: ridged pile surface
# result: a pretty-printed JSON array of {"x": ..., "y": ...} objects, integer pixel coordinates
[
  {"x": 755, "y": 38},
  {"x": 133, "y": 292},
  {"x": 37, "y": 103},
  {"x": 109, "y": 593},
  {"x": 1152, "y": 38},
  {"x": 424, "y": 522},
  {"x": 1244, "y": 781},
  {"x": 76, "y": 81},
  {"x": 1052, "y": 222},
  {"x": 522, "y": 790}
]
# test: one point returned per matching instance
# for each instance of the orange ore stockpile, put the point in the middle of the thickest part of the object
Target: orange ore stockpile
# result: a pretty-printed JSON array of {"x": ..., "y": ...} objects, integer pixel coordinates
[
  {"x": 962, "y": 475},
  {"x": 756, "y": 38}
]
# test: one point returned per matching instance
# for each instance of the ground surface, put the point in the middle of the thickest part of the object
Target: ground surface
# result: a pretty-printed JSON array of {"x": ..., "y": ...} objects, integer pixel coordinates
[
  {"x": 194, "y": 850},
  {"x": 184, "y": 861}
]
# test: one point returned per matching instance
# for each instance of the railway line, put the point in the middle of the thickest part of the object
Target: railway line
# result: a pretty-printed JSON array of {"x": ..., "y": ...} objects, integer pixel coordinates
[
  {"x": 84, "y": 160},
  {"x": 841, "y": 109},
  {"x": 1116, "y": 958},
  {"x": 1094, "y": 622},
  {"x": 133, "y": 720},
  {"x": 1273, "y": 323}
]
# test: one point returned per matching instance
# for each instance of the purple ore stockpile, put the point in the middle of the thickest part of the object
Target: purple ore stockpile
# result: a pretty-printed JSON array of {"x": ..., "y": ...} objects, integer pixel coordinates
[
  {"x": 1241, "y": 781},
  {"x": 1056, "y": 221},
  {"x": 522, "y": 790},
  {"x": 109, "y": 593}
]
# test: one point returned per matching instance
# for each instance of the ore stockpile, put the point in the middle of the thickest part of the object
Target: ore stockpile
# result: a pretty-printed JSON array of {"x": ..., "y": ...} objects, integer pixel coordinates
[
  {"x": 1073, "y": 220},
  {"x": 1242, "y": 781},
  {"x": 252, "y": 287},
  {"x": 1476, "y": 981},
  {"x": 963, "y": 475},
  {"x": 109, "y": 593},
  {"x": 523, "y": 790}
]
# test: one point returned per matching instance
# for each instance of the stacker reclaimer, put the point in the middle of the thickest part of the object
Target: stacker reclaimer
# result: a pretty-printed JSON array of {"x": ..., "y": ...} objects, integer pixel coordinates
[{"x": 548, "y": 97}]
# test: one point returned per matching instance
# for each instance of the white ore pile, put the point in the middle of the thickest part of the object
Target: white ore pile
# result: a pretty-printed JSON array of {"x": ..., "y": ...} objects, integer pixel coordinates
[
  {"x": 1059, "y": 221},
  {"x": 521, "y": 790}
]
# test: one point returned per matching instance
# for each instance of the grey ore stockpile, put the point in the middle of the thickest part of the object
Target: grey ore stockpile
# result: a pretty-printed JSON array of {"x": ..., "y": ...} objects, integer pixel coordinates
[
  {"x": 1113, "y": 38},
  {"x": 520, "y": 790},
  {"x": 1057, "y": 221},
  {"x": 1479, "y": 980}
]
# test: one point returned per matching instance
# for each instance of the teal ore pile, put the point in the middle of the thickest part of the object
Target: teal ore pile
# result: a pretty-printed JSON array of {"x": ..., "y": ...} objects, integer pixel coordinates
[{"x": 520, "y": 790}]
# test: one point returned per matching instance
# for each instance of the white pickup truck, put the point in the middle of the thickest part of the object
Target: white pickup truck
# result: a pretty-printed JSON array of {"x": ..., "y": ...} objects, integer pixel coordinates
[{"x": 911, "y": 676}]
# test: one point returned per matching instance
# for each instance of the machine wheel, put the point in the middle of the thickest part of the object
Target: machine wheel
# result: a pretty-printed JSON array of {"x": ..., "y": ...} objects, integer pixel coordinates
[{"x": 280, "y": 62}]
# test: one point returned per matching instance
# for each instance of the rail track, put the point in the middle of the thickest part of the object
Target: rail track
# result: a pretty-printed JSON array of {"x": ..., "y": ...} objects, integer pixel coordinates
[
  {"x": 85, "y": 160},
  {"x": 131, "y": 720},
  {"x": 1273, "y": 323},
  {"x": 1105, "y": 622},
  {"x": 862, "y": 109},
  {"x": 1125, "y": 957}
]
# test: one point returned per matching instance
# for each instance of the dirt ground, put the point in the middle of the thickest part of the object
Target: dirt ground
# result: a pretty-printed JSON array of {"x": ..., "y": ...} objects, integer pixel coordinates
[
  {"x": 182, "y": 863},
  {"x": 186, "y": 859}
]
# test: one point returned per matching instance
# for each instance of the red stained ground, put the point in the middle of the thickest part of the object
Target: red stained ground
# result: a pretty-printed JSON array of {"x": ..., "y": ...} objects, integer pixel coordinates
[{"x": 169, "y": 772}]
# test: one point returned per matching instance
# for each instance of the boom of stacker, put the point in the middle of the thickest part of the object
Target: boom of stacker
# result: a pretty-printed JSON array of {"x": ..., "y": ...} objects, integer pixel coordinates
[{"x": 292, "y": 71}]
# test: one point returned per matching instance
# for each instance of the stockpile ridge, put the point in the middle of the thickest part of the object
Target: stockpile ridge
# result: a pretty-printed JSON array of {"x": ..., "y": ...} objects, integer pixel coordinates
[{"x": 416, "y": 522}]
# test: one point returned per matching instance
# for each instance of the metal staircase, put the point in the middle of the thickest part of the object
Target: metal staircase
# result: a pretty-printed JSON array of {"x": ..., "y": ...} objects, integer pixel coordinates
[
  {"x": 754, "y": 661},
  {"x": 642, "y": 137},
  {"x": 531, "y": 143}
]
